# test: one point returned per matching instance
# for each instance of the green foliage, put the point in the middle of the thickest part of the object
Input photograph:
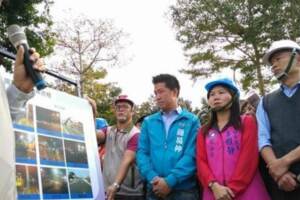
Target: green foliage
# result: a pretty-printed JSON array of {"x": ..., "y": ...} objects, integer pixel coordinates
[
  {"x": 146, "y": 108},
  {"x": 204, "y": 111},
  {"x": 218, "y": 34},
  {"x": 26, "y": 14},
  {"x": 149, "y": 107},
  {"x": 103, "y": 94},
  {"x": 187, "y": 104}
]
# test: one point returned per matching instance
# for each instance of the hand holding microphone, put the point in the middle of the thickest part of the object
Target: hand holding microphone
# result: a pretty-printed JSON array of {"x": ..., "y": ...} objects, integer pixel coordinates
[
  {"x": 28, "y": 64},
  {"x": 21, "y": 80}
]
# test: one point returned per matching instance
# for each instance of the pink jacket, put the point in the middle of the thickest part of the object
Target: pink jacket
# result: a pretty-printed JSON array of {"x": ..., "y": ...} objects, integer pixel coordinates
[{"x": 230, "y": 158}]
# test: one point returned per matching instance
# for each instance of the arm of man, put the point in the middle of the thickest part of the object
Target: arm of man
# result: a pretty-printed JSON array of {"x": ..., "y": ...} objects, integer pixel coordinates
[
  {"x": 128, "y": 159},
  {"x": 22, "y": 88},
  {"x": 143, "y": 155},
  {"x": 101, "y": 136},
  {"x": 264, "y": 138},
  {"x": 277, "y": 167},
  {"x": 280, "y": 166},
  {"x": 292, "y": 157}
]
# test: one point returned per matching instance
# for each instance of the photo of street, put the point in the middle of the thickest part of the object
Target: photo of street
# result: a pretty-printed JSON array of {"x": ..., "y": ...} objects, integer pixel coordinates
[
  {"x": 24, "y": 119},
  {"x": 54, "y": 182},
  {"x": 48, "y": 121},
  {"x": 27, "y": 181},
  {"x": 51, "y": 151},
  {"x": 76, "y": 155},
  {"x": 25, "y": 147},
  {"x": 72, "y": 128},
  {"x": 80, "y": 183}
]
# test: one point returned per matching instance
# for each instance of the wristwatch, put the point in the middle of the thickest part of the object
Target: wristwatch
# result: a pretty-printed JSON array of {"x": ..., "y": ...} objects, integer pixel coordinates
[{"x": 116, "y": 185}]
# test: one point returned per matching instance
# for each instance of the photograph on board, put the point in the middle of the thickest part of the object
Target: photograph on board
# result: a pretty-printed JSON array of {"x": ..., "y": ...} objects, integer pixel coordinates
[
  {"x": 54, "y": 183},
  {"x": 25, "y": 148},
  {"x": 48, "y": 121},
  {"x": 76, "y": 155},
  {"x": 24, "y": 119},
  {"x": 80, "y": 183},
  {"x": 51, "y": 151},
  {"x": 27, "y": 182},
  {"x": 72, "y": 128}
]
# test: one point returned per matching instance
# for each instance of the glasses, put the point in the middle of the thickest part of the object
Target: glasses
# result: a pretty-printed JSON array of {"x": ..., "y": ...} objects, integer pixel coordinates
[{"x": 122, "y": 107}]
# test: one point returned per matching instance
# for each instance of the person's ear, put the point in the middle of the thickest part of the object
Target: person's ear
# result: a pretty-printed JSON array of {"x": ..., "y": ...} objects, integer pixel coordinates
[{"x": 176, "y": 92}]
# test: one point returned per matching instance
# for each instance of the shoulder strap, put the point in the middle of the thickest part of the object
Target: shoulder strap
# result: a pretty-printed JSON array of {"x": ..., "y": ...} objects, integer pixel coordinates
[{"x": 132, "y": 132}]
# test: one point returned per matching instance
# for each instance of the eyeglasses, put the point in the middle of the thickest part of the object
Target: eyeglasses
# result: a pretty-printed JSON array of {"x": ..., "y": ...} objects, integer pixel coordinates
[{"x": 122, "y": 107}]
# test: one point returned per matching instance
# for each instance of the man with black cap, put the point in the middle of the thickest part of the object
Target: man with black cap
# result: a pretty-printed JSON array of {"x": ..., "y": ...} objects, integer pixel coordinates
[
  {"x": 278, "y": 122},
  {"x": 121, "y": 178}
]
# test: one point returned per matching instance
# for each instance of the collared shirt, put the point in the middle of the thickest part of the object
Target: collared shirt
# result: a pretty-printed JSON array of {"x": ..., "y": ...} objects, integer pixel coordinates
[
  {"x": 264, "y": 135},
  {"x": 169, "y": 118}
]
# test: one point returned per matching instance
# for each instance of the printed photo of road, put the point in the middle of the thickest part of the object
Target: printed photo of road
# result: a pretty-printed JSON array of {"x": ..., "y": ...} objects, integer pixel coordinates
[
  {"x": 24, "y": 119},
  {"x": 54, "y": 181},
  {"x": 48, "y": 121},
  {"x": 51, "y": 151},
  {"x": 25, "y": 147},
  {"x": 76, "y": 155},
  {"x": 80, "y": 183},
  {"x": 72, "y": 127},
  {"x": 27, "y": 180}
]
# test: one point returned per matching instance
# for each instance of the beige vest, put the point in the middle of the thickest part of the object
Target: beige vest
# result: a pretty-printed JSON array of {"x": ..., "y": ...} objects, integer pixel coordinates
[{"x": 115, "y": 146}]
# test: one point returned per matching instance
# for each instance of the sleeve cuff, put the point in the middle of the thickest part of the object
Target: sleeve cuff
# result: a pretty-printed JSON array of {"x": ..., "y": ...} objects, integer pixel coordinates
[
  {"x": 151, "y": 175},
  {"x": 16, "y": 97},
  {"x": 264, "y": 145},
  {"x": 171, "y": 180}
]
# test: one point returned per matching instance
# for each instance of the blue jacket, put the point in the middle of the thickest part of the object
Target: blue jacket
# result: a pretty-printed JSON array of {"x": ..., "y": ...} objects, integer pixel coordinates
[{"x": 172, "y": 158}]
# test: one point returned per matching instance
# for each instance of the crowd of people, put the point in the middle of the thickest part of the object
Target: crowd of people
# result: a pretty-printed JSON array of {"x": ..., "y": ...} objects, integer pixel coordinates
[
  {"x": 248, "y": 149},
  {"x": 243, "y": 152}
]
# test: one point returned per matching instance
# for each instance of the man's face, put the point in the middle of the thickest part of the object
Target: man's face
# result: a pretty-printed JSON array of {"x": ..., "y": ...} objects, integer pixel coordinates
[
  {"x": 124, "y": 112},
  {"x": 279, "y": 62},
  {"x": 166, "y": 98}
]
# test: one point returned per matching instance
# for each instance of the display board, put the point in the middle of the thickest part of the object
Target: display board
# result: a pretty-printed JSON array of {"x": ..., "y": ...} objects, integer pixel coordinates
[{"x": 56, "y": 155}]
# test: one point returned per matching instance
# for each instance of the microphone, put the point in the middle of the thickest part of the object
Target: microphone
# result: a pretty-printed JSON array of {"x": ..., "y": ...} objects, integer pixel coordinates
[{"x": 17, "y": 37}]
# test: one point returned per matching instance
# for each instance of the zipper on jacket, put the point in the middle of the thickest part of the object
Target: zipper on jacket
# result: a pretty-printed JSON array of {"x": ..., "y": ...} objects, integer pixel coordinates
[{"x": 223, "y": 164}]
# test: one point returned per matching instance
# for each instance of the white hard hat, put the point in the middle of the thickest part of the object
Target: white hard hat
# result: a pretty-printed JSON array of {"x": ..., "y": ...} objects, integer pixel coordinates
[{"x": 277, "y": 46}]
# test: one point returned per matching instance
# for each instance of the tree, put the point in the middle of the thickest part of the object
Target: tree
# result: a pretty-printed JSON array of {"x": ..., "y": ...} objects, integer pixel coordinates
[
  {"x": 218, "y": 34},
  {"x": 184, "y": 103},
  {"x": 37, "y": 24},
  {"x": 204, "y": 111},
  {"x": 103, "y": 94},
  {"x": 146, "y": 108},
  {"x": 87, "y": 44},
  {"x": 149, "y": 107}
]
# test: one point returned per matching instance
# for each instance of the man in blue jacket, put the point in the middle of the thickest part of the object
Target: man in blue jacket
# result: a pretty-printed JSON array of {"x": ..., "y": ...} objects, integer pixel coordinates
[{"x": 166, "y": 148}]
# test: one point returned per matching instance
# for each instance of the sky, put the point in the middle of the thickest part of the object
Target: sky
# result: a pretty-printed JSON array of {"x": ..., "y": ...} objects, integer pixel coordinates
[{"x": 153, "y": 49}]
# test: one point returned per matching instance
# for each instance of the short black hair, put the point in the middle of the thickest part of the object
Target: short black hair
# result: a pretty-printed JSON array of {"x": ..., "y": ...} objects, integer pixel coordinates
[
  {"x": 141, "y": 119},
  {"x": 170, "y": 81}
]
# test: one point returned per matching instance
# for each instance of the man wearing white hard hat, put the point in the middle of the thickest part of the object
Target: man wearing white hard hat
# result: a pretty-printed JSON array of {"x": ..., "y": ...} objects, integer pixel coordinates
[{"x": 278, "y": 122}]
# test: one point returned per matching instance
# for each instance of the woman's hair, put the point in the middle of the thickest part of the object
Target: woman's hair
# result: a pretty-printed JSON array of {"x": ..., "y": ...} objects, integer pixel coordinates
[{"x": 234, "y": 120}]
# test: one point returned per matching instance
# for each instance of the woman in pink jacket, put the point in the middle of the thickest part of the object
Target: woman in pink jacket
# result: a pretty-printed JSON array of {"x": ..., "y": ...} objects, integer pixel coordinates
[{"x": 227, "y": 149}]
